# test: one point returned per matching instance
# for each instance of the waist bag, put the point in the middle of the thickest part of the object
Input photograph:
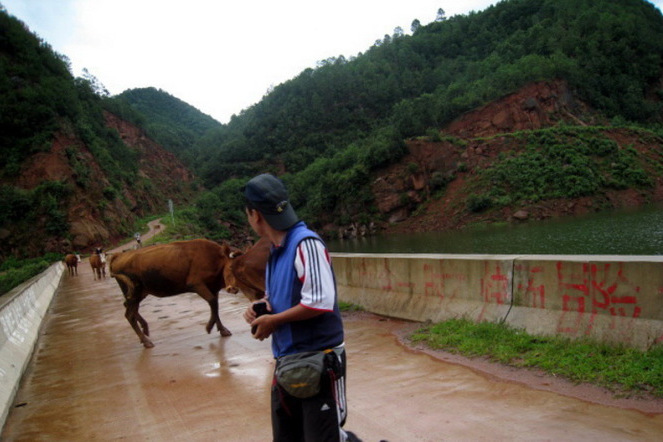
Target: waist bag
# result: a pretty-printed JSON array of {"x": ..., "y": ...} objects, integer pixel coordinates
[{"x": 300, "y": 374}]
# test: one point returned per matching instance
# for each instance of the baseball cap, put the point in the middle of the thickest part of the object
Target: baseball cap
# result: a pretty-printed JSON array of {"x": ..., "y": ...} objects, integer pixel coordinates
[{"x": 268, "y": 195}]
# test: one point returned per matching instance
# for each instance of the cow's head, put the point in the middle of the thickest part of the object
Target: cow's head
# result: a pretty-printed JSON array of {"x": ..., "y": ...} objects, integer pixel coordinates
[
  {"x": 245, "y": 271},
  {"x": 234, "y": 276},
  {"x": 228, "y": 275}
]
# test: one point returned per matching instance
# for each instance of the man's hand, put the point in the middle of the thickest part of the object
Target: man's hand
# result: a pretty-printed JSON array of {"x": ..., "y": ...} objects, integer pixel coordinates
[
  {"x": 266, "y": 324},
  {"x": 250, "y": 313},
  {"x": 263, "y": 326}
]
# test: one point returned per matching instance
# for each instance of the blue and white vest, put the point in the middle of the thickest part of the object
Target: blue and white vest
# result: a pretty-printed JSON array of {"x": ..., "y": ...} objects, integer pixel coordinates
[{"x": 284, "y": 289}]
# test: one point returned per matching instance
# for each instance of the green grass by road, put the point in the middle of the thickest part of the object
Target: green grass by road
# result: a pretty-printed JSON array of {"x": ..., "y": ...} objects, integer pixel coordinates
[{"x": 625, "y": 371}]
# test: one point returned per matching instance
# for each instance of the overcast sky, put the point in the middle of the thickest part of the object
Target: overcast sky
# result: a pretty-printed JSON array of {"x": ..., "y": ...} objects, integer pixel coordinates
[{"x": 219, "y": 56}]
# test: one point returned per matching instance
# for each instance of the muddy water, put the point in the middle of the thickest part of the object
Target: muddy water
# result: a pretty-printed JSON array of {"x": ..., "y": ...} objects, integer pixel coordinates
[{"x": 90, "y": 379}]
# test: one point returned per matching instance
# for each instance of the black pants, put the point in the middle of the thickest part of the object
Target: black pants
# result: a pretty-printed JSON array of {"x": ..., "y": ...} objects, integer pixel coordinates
[{"x": 318, "y": 418}]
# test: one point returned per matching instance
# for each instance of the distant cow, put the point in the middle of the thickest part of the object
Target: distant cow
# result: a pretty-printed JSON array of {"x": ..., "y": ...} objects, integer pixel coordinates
[
  {"x": 71, "y": 262},
  {"x": 246, "y": 270},
  {"x": 98, "y": 264},
  {"x": 171, "y": 269}
]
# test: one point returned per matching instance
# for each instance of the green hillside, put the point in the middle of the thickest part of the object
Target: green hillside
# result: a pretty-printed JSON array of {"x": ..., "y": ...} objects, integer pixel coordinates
[
  {"x": 39, "y": 96},
  {"x": 68, "y": 180},
  {"x": 174, "y": 124},
  {"x": 329, "y": 130}
]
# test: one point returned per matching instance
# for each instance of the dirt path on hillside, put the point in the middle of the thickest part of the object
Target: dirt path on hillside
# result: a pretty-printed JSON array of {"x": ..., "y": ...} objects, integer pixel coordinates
[{"x": 154, "y": 227}]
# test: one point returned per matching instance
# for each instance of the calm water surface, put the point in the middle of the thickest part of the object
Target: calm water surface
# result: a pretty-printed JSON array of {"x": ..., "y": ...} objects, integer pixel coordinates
[{"x": 634, "y": 232}]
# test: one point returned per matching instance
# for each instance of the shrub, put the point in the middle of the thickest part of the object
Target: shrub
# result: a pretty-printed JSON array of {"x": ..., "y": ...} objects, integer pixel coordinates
[
  {"x": 439, "y": 180},
  {"x": 110, "y": 193},
  {"x": 434, "y": 135},
  {"x": 412, "y": 168},
  {"x": 479, "y": 203},
  {"x": 16, "y": 271}
]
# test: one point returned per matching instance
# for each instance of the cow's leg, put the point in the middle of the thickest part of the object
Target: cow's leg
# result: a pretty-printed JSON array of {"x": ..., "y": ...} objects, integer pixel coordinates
[
  {"x": 142, "y": 321},
  {"x": 132, "y": 297},
  {"x": 134, "y": 319},
  {"x": 213, "y": 301}
]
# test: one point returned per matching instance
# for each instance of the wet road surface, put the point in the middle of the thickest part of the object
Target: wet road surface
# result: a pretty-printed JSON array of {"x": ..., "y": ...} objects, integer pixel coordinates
[{"x": 91, "y": 379}]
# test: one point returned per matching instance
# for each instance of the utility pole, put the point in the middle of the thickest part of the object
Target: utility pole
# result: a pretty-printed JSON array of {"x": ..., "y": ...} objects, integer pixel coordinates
[{"x": 170, "y": 208}]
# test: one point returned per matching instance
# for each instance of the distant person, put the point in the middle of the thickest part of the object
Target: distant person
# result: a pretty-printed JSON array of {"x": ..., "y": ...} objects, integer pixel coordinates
[
  {"x": 304, "y": 319},
  {"x": 137, "y": 237}
]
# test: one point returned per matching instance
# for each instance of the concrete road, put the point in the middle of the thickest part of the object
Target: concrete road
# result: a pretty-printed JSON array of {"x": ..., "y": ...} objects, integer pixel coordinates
[{"x": 91, "y": 379}]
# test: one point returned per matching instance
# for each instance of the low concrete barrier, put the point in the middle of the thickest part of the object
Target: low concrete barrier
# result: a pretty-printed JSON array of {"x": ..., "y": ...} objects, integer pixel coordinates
[
  {"x": 614, "y": 299},
  {"x": 21, "y": 313}
]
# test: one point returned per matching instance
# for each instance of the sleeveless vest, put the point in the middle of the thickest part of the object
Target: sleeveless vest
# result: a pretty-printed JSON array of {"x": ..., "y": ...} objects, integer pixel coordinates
[{"x": 284, "y": 289}]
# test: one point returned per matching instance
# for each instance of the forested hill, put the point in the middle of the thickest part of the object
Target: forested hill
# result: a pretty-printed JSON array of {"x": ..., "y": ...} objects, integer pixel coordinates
[
  {"x": 168, "y": 120},
  {"x": 73, "y": 175},
  {"x": 329, "y": 130}
]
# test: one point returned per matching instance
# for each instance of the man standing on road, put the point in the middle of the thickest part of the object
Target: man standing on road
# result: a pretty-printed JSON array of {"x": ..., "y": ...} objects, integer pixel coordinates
[{"x": 304, "y": 319}]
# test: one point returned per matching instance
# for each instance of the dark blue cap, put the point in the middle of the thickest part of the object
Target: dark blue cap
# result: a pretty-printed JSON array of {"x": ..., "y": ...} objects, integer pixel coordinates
[{"x": 268, "y": 195}]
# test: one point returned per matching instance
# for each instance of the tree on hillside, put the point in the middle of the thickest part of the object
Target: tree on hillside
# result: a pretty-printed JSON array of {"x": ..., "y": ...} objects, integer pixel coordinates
[{"x": 94, "y": 83}]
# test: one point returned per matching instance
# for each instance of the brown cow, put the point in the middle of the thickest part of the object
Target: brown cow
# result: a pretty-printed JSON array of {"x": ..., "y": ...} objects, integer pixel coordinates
[
  {"x": 71, "y": 261},
  {"x": 246, "y": 271},
  {"x": 171, "y": 269},
  {"x": 98, "y": 264}
]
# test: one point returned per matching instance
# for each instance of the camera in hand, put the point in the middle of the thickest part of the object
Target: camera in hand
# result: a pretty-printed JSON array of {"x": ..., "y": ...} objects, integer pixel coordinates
[{"x": 261, "y": 309}]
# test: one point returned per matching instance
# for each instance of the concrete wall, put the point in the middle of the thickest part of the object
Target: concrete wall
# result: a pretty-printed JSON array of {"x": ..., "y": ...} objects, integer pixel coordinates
[
  {"x": 21, "y": 313},
  {"x": 616, "y": 299}
]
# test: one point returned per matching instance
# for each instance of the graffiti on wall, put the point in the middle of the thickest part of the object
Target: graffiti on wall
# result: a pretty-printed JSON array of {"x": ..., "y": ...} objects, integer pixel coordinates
[
  {"x": 582, "y": 291},
  {"x": 439, "y": 283},
  {"x": 375, "y": 276},
  {"x": 611, "y": 300},
  {"x": 495, "y": 284}
]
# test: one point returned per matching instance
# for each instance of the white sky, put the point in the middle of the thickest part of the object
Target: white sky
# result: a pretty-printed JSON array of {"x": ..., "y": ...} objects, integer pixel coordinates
[{"x": 219, "y": 56}]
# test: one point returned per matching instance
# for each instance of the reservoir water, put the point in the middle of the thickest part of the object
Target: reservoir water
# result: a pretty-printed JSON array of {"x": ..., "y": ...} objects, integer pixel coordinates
[{"x": 625, "y": 232}]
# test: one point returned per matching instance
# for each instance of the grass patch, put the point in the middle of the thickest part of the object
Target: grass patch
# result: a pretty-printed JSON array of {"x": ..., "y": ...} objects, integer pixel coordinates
[
  {"x": 349, "y": 307},
  {"x": 623, "y": 370},
  {"x": 14, "y": 272}
]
